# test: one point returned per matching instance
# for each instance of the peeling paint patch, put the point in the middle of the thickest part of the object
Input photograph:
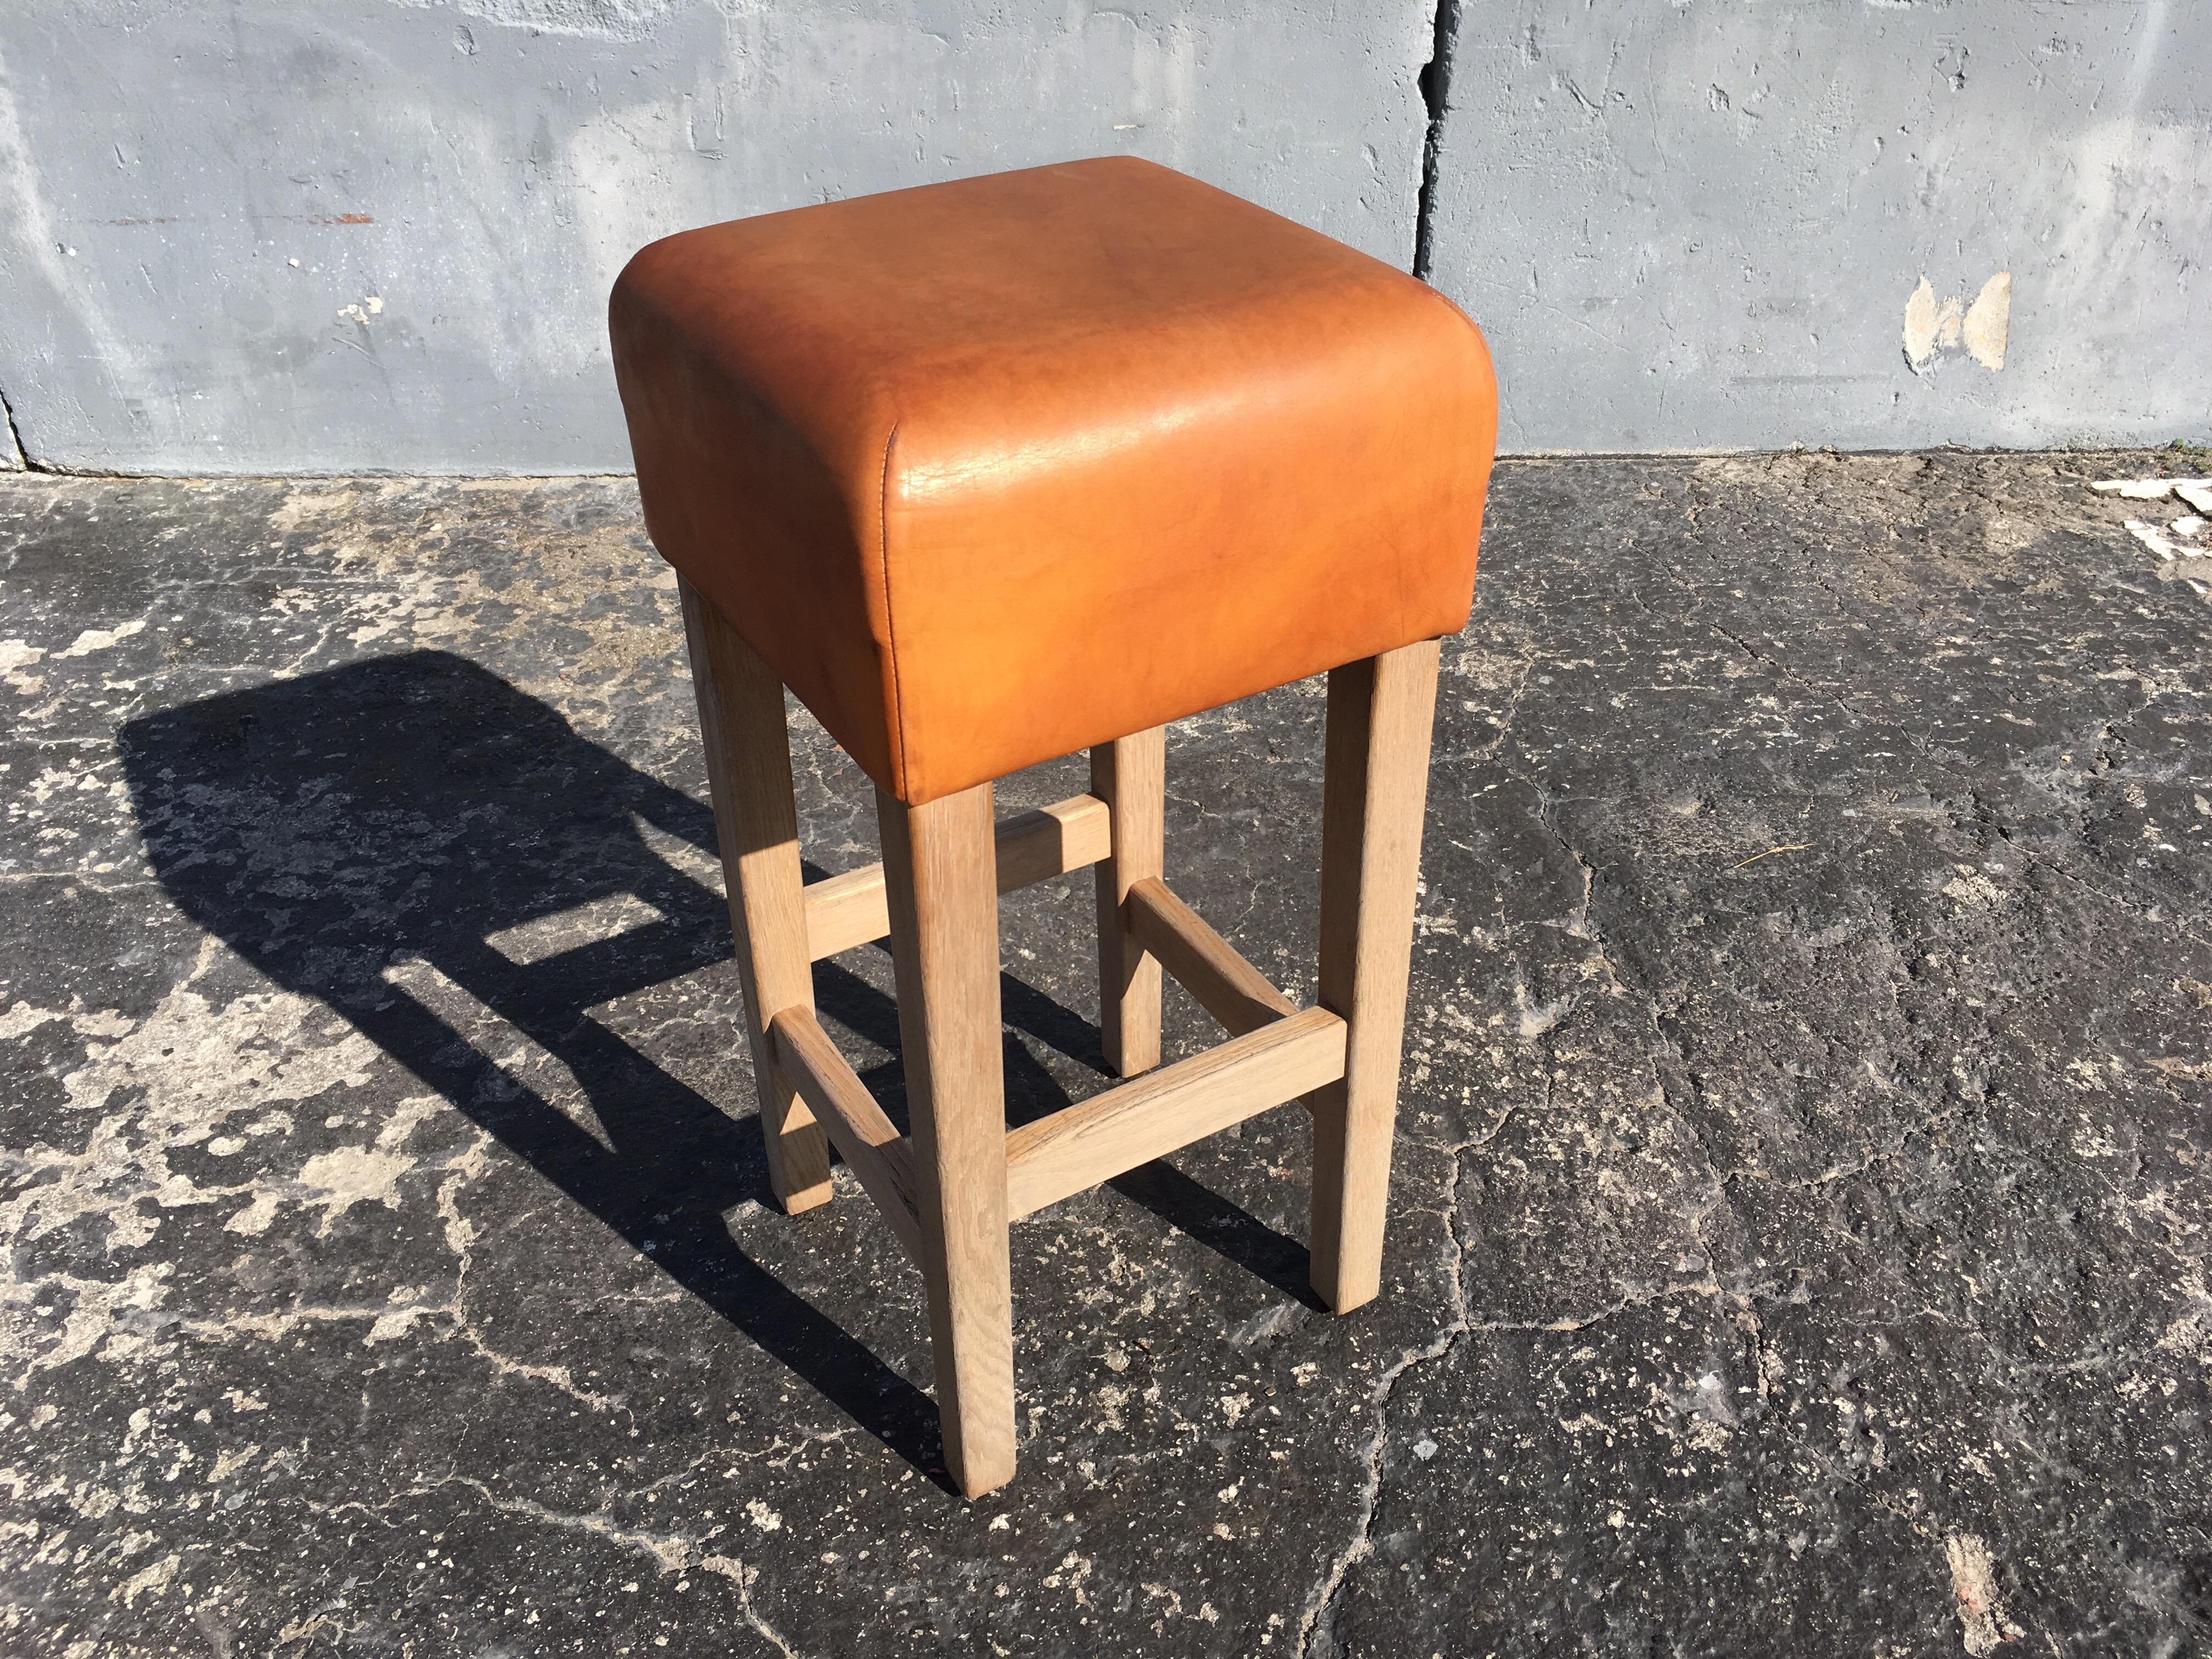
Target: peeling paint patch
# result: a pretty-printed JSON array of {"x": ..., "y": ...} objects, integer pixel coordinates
[
  {"x": 1971, "y": 887},
  {"x": 1933, "y": 327},
  {"x": 2196, "y": 492},
  {"x": 100, "y": 639},
  {"x": 589, "y": 20},
  {"x": 2183, "y": 546},
  {"x": 23, "y": 1018},
  {"x": 1926, "y": 323},
  {"x": 153, "y": 1580},
  {"x": 351, "y": 1175},
  {"x": 253, "y": 1220},
  {"x": 2182, "y": 539},
  {"x": 1982, "y": 1620},
  {"x": 1989, "y": 322}
]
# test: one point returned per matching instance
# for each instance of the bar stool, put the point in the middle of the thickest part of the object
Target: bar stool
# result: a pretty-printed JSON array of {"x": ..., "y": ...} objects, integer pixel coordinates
[{"x": 992, "y": 471}]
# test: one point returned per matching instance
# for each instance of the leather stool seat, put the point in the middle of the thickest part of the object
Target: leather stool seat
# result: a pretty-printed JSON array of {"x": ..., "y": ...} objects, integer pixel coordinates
[{"x": 993, "y": 470}]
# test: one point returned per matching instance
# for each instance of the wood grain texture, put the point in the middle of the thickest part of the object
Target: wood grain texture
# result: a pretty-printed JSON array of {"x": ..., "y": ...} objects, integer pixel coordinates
[
  {"x": 1381, "y": 712},
  {"x": 870, "y": 1142},
  {"x": 1081, "y": 1145},
  {"x": 851, "y": 910},
  {"x": 1130, "y": 775},
  {"x": 756, "y": 827},
  {"x": 1204, "y": 963},
  {"x": 939, "y": 873}
]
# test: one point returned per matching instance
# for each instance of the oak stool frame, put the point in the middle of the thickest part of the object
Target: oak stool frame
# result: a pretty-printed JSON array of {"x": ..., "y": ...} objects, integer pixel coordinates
[{"x": 951, "y": 1189}]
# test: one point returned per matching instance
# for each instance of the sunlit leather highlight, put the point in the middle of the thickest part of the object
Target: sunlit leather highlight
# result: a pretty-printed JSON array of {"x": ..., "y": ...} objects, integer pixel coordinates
[{"x": 993, "y": 471}]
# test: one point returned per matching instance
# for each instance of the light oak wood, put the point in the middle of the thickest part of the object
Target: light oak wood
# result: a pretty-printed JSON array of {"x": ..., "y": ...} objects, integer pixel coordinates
[
  {"x": 1081, "y": 1145},
  {"x": 870, "y": 1142},
  {"x": 952, "y": 1188},
  {"x": 938, "y": 869},
  {"x": 851, "y": 910},
  {"x": 1381, "y": 712},
  {"x": 1204, "y": 963},
  {"x": 756, "y": 826},
  {"x": 1130, "y": 775},
  {"x": 1068, "y": 835}
]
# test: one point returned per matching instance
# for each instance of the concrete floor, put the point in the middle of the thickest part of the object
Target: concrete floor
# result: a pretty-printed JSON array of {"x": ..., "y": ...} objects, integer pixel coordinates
[{"x": 1801, "y": 1203}]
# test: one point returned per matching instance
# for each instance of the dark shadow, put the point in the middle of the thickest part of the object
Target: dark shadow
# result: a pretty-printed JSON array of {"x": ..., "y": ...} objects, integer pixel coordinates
[
  {"x": 405, "y": 810},
  {"x": 1227, "y": 1229},
  {"x": 361, "y": 835}
]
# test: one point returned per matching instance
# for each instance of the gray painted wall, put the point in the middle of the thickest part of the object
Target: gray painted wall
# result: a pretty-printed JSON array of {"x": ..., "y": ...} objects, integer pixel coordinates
[
  {"x": 264, "y": 237},
  {"x": 1699, "y": 224},
  {"x": 268, "y": 237}
]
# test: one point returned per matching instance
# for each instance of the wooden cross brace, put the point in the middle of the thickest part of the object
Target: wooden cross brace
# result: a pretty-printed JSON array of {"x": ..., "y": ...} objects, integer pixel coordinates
[{"x": 950, "y": 1189}]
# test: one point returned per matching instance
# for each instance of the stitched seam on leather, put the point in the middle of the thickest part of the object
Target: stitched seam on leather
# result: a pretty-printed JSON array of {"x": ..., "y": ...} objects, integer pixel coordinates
[{"x": 890, "y": 627}]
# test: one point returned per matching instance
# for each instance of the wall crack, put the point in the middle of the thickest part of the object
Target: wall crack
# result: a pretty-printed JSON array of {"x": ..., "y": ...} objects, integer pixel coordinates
[
  {"x": 17, "y": 456},
  {"x": 1436, "y": 94}
]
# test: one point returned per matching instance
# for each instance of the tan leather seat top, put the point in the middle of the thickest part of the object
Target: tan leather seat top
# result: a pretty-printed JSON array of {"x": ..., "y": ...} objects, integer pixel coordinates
[{"x": 993, "y": 470}]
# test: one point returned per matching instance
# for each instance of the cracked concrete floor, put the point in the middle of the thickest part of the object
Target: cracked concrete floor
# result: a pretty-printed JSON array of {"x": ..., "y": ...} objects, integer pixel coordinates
[{"x": 1799, "y": 1219}]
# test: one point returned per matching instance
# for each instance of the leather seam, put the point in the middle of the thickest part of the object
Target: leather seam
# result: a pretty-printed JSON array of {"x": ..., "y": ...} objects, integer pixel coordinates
[{"x": 890, "y": 626}]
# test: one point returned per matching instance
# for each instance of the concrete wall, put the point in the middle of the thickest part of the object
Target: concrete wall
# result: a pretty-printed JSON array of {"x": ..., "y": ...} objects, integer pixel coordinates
[
  {"x": 267, "y": 237},
  {"x": 262, "y": 236},
  {"x": 1703, "y": 224}
]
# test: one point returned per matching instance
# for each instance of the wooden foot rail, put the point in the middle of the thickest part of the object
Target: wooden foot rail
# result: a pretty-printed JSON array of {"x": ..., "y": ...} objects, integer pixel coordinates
[
  {"x": 851, "y": 908},
  {"x": 950, "y": 1189},
  {"x": 1204, "y": 963},
  {"x": 1076, "y": 1149},
  {"x": 869, "y": 1141},
  {"x": 1079, "y": 1146},
  {"x": 1277, "y": 1052}
]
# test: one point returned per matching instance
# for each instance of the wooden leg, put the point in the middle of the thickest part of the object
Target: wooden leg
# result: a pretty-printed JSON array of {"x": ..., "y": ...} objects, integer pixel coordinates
[
  {"x": 941, "y": 881},
  {"x": 1130, "y": 775},
  {"x": 757, "y": 822},
  {"x": 1379, "y": 713}
]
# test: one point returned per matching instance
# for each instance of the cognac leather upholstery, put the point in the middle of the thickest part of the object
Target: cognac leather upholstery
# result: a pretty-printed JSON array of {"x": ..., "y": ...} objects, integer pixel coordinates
[{"x": 993, "y": 470}]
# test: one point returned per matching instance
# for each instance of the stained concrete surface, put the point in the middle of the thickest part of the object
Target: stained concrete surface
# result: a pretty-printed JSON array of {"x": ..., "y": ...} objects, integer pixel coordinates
[{"x": 1800, "y": 1210}]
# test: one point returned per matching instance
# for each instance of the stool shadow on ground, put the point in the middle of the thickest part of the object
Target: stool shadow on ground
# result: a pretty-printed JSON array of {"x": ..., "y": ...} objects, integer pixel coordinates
[{"x": 380, "y": 836}]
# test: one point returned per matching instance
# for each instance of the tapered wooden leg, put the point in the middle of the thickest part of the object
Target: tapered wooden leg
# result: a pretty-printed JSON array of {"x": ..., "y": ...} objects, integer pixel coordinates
[
  {"x": 1379, "y": 713},
  {"x": 939, "y": 874},
  {"x": 757, "y": 822},
  {"x": 1130, "y": 775}
]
